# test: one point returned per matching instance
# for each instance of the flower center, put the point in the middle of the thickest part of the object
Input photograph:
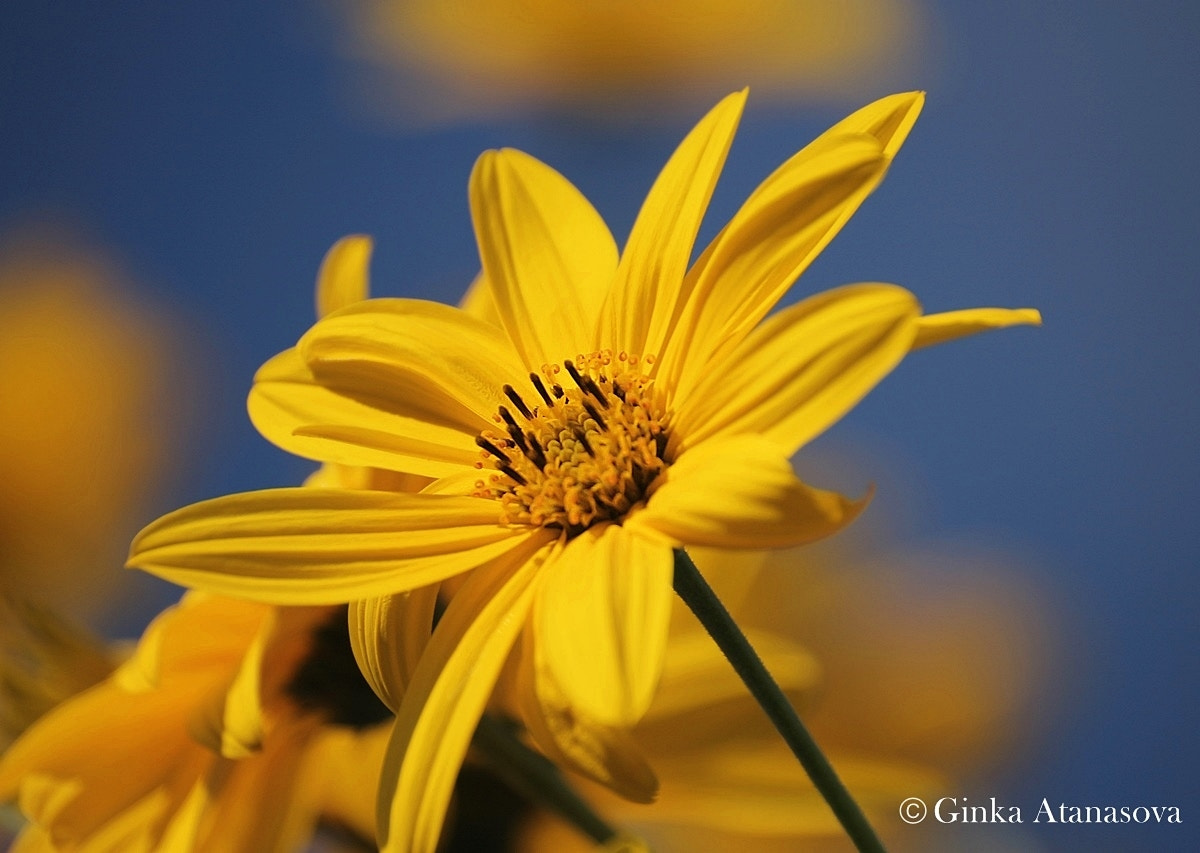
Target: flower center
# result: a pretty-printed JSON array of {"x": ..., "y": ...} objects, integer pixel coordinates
[{"x": 583, "y": 455}]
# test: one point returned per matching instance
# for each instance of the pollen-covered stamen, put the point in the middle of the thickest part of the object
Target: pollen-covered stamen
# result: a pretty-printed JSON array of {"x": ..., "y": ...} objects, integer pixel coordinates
[{"x": 586, "y": 456}]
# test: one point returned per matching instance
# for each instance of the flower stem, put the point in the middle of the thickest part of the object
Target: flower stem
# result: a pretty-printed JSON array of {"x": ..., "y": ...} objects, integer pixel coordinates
[
  {"x": 699, "y": 596},
  {"x": 532, "y": 774}
]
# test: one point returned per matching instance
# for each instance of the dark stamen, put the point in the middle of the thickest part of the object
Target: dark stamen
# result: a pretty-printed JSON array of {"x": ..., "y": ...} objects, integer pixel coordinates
[
  {"x": 512, "y": 394},
  {"x": 535, "y": 452},
  {"x": 510, "y": 471},
  {"x": 582, "y": 436},
  {"x": 558, "y": 391},
  {"x": 595, "y": 413},
  {"x": 491, "y": 448},
  {"x": 514, "y": 430},
  {"x": 571, "y": 369},
  {"x": 592, "y": 388},
  {"x": 541, "y": 389},
  {"x": 619, "y": 391}
]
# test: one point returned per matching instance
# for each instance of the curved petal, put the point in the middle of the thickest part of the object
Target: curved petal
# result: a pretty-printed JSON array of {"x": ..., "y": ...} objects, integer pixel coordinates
[
  {"x": 547, "y": 253},
  {"x": 601, "y": 621},
  {"x": 344, "y": 277},
  {"x": 429, "y": 361},
  {"x": 448, "y": 694},
  {"x": 802, "y": 369},
  {"x": 645, "y": 296},
  {"x": 770, "y": 241},
  {"x": 297, "y": 412},
  {"x": 740, "y": 492},
  {"x": 387, "y": 635},
  {"x": 888, "y": 119},
  {"x": 480, "y": 302},
  {"x": 571, "y": 739},
  {"x": 951, "y": 325},
  {"x": 322, "y": 546},
  {"x": 230, "y": 722}
]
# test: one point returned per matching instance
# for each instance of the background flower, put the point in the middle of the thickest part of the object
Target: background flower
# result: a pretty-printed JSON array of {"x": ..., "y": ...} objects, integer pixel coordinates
[{"x": 466, "y": 59}]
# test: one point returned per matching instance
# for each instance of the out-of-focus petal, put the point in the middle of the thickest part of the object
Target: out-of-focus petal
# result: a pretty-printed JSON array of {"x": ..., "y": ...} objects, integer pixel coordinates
[
  {"x": 344, "y": 277},
  {"x": 950, "y": 325}
]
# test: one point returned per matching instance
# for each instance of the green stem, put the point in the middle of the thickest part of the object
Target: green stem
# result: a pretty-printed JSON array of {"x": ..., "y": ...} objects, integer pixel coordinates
[
  {"x": 699, "y": 596},
  {"x": 532, "y": 774}
]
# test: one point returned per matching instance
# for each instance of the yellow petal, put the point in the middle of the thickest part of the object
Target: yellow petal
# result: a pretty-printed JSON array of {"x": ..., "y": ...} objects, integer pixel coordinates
[
  {"x": 740, "y": 492},
  {"x": 434, "y": 362},
  {"x": 84, "y": 762},
  {"x": 889, "y": 120},
  {"x": 230, "y": 721},
  {"x": 645, "y": 294},
  {"x": 601, "y": 621},
  {"x": 951, "y": 325},
  {"x": 344, "y": 277},
  {"x": 546, "y": 252},
  {"x": 802, "y": 369},
  {"x": 449, "y": 690},
  {"x": 289, "y": 406},
  {"x": 387, "y": 635},
  {"x": 770, "y": 241},
  {"x": 322, "y": 546},
  {"x": 574, "y": 740}
]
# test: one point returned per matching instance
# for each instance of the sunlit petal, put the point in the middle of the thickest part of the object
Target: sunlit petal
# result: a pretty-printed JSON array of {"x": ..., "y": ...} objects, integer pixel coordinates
[
  {"x": 741, "y": 492},
  {"x": 601, "y": 621},
  {"x": 448, "y": 693},
  {"x": 646, "y": 295},
  {"x": 546, "y": 252},
  {"x": 322, "y": 546},
  {"x": 803, "y": 368}
]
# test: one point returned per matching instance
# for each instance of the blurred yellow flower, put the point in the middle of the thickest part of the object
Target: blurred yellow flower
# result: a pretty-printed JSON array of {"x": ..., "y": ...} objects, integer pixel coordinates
[
  {"x": 905, "y": 681},
  {"x": 89, "y": 411},
  {"x": 560, "y": 506},
  {"x": 207, "y": 738},
  {"x": 470, "y": 58}
]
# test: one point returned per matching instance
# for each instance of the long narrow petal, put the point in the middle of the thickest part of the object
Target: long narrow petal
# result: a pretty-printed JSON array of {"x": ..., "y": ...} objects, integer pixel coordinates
[
  {"x": 601, "y": 621},
  {"x": 347, "y": 424},
  {"x": 645, "y": 297},
  {"x": 777, "y": 233},
  {"x": 435, "y": 362},
  {"x": 448, "y": 693},
  {"x": 740, "y": 492},
  {"x": 951, "y": 325},
  {"x": 888, "y": 119},
  {"x": 344, "y": 277},
  {"x": 573, "y": 740},
  {"x": 387, "y": 635},
  {"x": 322, "y": 546},
  {"x": 802, "y": 369},
  {"x": 546, "y": 252}
]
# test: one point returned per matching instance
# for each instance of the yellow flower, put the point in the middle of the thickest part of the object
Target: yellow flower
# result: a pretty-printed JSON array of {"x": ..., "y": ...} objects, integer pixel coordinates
[
  {"x": 205, "y": 739},
  {"x": 622, "y": 408},
  {"x": 85, "y": 380},
  {"x": 489, "y": 57}
]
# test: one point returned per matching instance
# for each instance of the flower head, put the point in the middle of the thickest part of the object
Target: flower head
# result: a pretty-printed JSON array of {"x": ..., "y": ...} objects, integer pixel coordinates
[{"x": 623, "y": 406}]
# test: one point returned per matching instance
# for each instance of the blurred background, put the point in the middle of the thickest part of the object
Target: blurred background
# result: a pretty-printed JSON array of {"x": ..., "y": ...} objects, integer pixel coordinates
[{"x": 170, "y": 178}]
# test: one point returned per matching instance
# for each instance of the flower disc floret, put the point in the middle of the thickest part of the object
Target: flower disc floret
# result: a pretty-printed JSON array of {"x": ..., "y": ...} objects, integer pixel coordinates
[{"x": 584, "y": 454}]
